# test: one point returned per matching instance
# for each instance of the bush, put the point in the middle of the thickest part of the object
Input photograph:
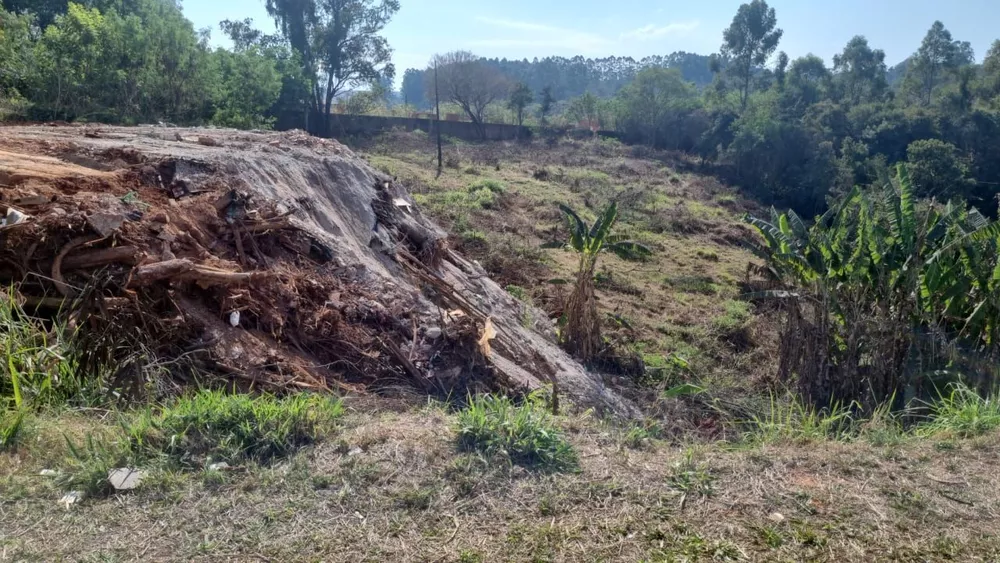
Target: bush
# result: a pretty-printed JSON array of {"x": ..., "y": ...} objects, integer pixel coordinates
[
  {"x": 523, "y": 433},
  {"x": 233, "y": 428}
]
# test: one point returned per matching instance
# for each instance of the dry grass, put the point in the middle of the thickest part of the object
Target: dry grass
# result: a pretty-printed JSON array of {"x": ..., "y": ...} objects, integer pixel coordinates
[{"x": 393, "y": 486}]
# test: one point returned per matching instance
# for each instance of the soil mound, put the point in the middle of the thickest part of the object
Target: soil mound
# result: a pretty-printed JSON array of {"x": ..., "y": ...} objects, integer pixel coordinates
[{"x": 273, "y": 259}]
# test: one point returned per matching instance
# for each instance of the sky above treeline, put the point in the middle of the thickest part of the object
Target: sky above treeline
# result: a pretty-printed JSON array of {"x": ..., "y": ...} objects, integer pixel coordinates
[{"x": 517, "y": 29}]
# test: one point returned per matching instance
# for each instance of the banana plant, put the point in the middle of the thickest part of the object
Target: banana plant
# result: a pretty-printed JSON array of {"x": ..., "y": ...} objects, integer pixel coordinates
[
  {"x": 875, "y": 274},
  {"x": 581, "y": 333}
]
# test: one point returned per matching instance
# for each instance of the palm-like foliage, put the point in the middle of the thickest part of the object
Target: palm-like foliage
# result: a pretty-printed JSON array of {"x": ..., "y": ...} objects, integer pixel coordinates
[
  {"x": 884, "y": 294},
  {"x": 582, "y": 334}
]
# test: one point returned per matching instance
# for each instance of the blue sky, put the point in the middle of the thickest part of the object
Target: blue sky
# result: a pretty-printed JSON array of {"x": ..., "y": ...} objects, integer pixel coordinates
[{"x": 528, "y": 28}]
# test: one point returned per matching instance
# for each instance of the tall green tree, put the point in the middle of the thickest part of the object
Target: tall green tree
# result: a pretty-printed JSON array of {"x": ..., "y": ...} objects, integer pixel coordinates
[
  {"x": 548, "y": 100},
  {"x": 413, "y": 88},
  {"x": 781, "y": 70},
  {"x": 586, "y": 108},
  {"x": 339, "y": 43},
  {"x": 938, "y": 58},
  {"x": 749, "y": 41},
  {"x": 860, "y": 72},
  {"x": 937, "y": 170},
  {"x": 990, "y": 84},
  {"x": 249, "y": 86},
  {"x": 520, "y": 98},
  {"x": 658, "y": 109},
  {"x": 808, "y": 83}
]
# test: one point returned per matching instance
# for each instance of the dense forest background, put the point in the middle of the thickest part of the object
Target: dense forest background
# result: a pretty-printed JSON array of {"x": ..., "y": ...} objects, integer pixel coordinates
[{"x": 793, "y": 132}]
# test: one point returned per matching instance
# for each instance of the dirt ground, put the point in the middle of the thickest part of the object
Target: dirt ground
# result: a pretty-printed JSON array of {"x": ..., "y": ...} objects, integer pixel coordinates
[{"x": 391, "y": 486}]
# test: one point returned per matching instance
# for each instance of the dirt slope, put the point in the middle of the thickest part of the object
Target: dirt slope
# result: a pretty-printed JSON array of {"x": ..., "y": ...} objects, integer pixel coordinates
[{"x": 337, "y": 279}]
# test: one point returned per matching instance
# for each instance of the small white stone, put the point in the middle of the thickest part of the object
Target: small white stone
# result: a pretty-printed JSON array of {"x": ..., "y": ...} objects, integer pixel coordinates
[
  {"x": 48, "y": 473},
  {"x": 71, "y": 498},
  {"x": 234, "y": 319},
  {"x": 221, "y": 466},
  {"x": 124, "y": 478},
  {"x": 434, "y": 333}
]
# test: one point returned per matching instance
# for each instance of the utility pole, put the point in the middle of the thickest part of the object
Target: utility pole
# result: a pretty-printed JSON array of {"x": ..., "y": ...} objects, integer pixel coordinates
[{"x": 437, "y": 103}]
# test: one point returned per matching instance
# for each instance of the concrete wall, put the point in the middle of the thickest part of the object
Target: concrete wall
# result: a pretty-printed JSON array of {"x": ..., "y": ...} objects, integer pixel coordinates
[{"x": 341, "y": 125}]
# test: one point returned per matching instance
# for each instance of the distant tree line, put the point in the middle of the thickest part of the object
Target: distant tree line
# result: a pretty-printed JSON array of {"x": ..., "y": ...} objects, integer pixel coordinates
[{"x": 569, "y": 78}]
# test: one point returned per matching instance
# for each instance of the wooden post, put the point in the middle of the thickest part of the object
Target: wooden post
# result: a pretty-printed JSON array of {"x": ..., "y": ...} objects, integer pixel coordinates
[{"x": 437, "y": 103}]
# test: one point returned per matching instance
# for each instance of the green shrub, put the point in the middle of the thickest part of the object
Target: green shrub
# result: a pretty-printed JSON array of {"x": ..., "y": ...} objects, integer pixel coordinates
[
  {"x": 704, "y": 285},
  {"x": 234, "y": 428},
  {"x": 522, "y": 433},
  {"x": 709, "y": 255}
]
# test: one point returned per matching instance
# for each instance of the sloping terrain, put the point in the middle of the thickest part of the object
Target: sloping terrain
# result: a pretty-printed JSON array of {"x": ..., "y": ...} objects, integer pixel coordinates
[
  {"x": 273, "y": 259},
  {"x": 679, "y": 311}
]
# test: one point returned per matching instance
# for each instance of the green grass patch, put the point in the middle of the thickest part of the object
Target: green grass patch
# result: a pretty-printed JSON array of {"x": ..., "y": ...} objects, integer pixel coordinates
[
  {"x": 232, "y": 428},
  {"x": 704, "y": 285},
  {"x": 524, "y": 433},
  {"x": 962, "y": 413},
  {"x": 494, "y": 186}
]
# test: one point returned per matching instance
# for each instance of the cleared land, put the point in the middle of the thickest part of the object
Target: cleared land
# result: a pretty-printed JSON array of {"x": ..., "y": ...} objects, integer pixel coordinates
[{"x": 726, "y": 474}]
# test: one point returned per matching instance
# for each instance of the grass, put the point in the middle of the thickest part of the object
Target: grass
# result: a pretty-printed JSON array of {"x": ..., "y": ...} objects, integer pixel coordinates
[
  {"x": 212, "y": 425},
  {"x": 392, "y": 487},
  {"x": 792, "y": 421},
  {"x": 37, "y": 365},
  {"x": 523, "y": 434},
  {"x": 691, "y": 478},
  {"x": 963, "y": 413},
  {"x": 11, "y": 427}
]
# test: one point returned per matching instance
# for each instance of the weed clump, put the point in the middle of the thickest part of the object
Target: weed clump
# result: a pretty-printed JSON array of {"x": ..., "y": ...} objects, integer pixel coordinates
[
  {"x": 522, "y": 433},
  {"x": 234, "y": 428},
  {"x": 963, "y": 413},
  {"x": 491, "y": 185}
]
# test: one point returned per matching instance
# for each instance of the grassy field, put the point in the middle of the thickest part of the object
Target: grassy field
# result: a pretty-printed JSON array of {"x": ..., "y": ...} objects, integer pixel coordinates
[{"x": 409, "y": 483}]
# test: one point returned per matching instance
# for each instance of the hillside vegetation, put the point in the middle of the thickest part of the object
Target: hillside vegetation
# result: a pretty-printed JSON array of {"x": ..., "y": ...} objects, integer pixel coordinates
[{"x": 674, "y": 314}]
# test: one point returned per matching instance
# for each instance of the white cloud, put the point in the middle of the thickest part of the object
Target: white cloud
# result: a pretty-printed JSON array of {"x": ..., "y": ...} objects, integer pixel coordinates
[
  {"x": 651, "y": 31},
  {"x": 536, "y": 35}
]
